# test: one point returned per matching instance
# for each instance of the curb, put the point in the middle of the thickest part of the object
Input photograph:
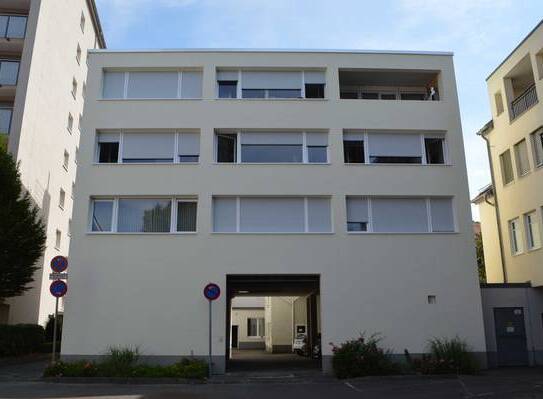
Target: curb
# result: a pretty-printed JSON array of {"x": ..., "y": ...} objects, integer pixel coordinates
[{"x": 121, "y": 380}]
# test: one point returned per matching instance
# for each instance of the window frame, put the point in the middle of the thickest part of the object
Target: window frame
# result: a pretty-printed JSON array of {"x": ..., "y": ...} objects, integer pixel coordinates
[
  {"x": 515, "y": 231},
  {"x": 174, "y": 200},
  {"x": 62, "y": 199},
  {"x": 536, "y": 138},
  {"x": 66, "y": 160},
  {"x": 78, "y": 54},
  {"x": 11, "y": 60},
  {"x": 370, "y": 222},
  {"x": 531, "y": 221},
  {"x": 126, "y": 75},
  {"x": 259, "y": 334},
  {"x": 9, "y": 16},
  {"x": 516, "y": 149}
]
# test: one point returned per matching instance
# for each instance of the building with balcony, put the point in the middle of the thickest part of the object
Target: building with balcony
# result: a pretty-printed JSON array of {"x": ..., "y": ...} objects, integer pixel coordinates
[
  {"x": 263, "y": 172},
  {"x": 43, "y": 70},
  {"x": 511, "y": 207}
]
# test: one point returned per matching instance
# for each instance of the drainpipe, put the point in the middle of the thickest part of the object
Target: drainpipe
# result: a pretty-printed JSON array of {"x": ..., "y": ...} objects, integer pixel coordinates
[{"x": 496, "y": 206}]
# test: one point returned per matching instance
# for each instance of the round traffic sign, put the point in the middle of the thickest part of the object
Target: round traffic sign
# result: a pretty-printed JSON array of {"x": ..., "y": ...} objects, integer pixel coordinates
[
  {"x": 59, "y": 263},
  {"x": 212, "y": 291},
  {"x": 58, "y": 288}
]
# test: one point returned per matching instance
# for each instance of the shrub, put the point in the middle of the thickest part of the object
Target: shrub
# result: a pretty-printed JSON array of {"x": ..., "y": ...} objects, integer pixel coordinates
[
  {"x": 49, "y": 328},
  {"x": 21, "y": 339},
  {"x": 361, "y": 357},
  {"x": 447, "y": 356}
]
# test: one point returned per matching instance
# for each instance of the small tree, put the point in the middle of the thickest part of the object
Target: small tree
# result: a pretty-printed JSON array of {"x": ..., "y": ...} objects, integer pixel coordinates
[
  {"x": 480, "y": 257},
  {"x": 22, "y": 233}
]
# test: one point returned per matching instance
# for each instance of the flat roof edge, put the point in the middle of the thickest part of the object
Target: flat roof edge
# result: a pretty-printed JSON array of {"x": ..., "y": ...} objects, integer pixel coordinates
[
  {"x": 96, "y": 22},
  {"x": 273, "y": 50}
]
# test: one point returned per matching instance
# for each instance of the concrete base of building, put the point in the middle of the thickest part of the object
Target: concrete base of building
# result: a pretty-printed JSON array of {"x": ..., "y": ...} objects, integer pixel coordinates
[
  {"x": 251, "y": 345},
  {"x": 281, "y": 349}
]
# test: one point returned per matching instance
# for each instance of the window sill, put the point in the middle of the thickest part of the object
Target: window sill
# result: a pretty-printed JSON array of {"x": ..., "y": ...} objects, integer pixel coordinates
[
  {"x": 150, "y": 99},
  {"x": 273, "y": 163},
  {"x": 517, "y": 254},
  {"x": 270, "y": 233},
  {"x": 143, "y": 163},
  {"x": 361, "y": 233},
  {"x": 117, "y": 233},
  {"x": 398, "y": 164},
  {"x": 273, "y": 99},
  {"x": 534, "y": 249}
]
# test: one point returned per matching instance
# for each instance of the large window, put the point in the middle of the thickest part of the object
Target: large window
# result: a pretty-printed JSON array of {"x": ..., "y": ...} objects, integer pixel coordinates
[
  {"x": 255, "y": 327},
  {"x": 400, "y": 215},
  {"x": 272, "y": 215},
  {"x": 521, "y": 158},
  {"x": 533, "y": 238},
  {"x": 394, "y": 148},
  {"x": 537, "y": 144},
  {"x": 143, "y": 215},
  {"x": 147, "y": 147},
  {"x": 270, "y": 84},
  {"x": 514, "y": 236},
  {"x": 5, "y": 118},
  {"x": 272, "y": 147},
  {"x": 507, "y": 167},
  {"x": 152, "y": 84},
  {"x": 13, "y": 26},
  {"x": 9, "y": 71}
]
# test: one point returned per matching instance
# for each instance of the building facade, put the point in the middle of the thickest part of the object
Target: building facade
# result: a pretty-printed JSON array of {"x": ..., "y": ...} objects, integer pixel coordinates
[
  {"x": 334, "y": 175},
  {"x": 43, "y": 69}
]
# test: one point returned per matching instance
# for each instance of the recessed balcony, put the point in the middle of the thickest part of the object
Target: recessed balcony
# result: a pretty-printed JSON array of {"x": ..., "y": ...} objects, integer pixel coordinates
[{"x": 520, "y": 88}]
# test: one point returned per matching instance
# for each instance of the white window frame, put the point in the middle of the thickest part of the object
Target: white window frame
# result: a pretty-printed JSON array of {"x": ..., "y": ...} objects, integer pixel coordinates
[
  {"x": 530, "y": 222},
  {"x": 175, "y": 149},
  {"x": 428, "y": 200},
  {"x": 515, "y": 231},
  {"x": 127, "y": 78},
  {"x": 115, "y": 214},
  {"x": 537, "y": 140},
  {"x": 305, "y": 157},
  {"x": 516, "y": 152},
  {"x": 260, "y": 334},
  {"x": 306, "y": 215}
]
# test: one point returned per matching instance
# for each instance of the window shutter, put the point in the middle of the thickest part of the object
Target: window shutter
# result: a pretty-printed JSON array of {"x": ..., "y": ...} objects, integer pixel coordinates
[
  {"x": 442, "y": 214},
  {"x": 314, "y": 77},
  {"x": 189, "y": 144},
  {"x": 113, "y": 85},
  {"x": 227, "y": 75},
  {"x": 224, "y": 214},
  {"x": 317, "y": 139},
  {"x": 267, "y": 214},
  {"x": 191, "y": 84},
  {"x": 271, "y": 80},
  {"x": 152, "y": 85},
  {"x": 399, "y": 215},
  {"x": 319, "y": 215},
  {"x": 148, "y": 146},
  {"x": 392, "y": 144},
  {"x": 108, "y": 137},
  {"x": 357, "y": 210},
  {"x": 271, "y": 138}
]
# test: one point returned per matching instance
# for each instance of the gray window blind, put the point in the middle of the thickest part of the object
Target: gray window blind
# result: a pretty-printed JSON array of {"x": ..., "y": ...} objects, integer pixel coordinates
[
  {"x": 224, "y": 214},
  {"x": 353, "y": 136},
  {"x": 227, "y": 75},
  {"x": 108, "y": 137},
  {"x": 144, "y": 215},
  {"x": 393, "y": 144},
  {"x": 267, "y": 214},
  {"x": 317, "y": 139},
  {"x": 271, "y": 80},
  {"x": 399, "y": 215},
  {"x": 189, "y": 144},
  {"x": 113, "y": 85},
  {"x": 442, "y": 214},
  {"x": 314, "y": 77},
  {"x": 191, "y": 84},
  {"x": 357, "y": 209},
  {"x": 319, "y": 215},
  {"x": 271, "y": 138},
  {"x": 152, "y": 85},
  {"x": 148, "y": 146}
]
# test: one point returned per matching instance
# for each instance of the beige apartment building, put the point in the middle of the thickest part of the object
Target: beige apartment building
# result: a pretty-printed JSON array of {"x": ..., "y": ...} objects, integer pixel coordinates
[
  {"x": 43, "y": 70},
  {"x": 511, "y": 207},
  {"x": 337, "y": 176}
]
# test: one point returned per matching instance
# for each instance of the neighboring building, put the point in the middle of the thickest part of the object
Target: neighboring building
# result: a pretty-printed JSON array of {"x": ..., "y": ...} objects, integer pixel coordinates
[
  {"x": 511, "y": 208},
  {"x": 248, "y": 326},
  {"x": 43, "y": 69},
  {"x": 334, "y": 175}
]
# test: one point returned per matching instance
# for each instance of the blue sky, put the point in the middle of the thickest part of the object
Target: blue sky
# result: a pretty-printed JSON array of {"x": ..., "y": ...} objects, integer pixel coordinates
[{"x": 480, "y": 32}]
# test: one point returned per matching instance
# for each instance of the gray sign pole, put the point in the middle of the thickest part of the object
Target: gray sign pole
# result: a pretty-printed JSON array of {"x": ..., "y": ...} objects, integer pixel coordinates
[
  {"x": 210, "y": 331},
  {"x": 55, "y": 331}
]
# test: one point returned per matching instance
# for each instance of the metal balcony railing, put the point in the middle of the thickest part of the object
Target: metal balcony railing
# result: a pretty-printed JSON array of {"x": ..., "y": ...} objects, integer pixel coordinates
[
  {"x": 12, "y": 26},
  {"x": 525, "y": 101}
]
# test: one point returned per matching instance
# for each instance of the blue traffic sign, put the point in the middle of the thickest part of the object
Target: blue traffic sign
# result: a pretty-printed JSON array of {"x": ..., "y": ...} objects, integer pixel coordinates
[
  {"x": 212, "y": 291},
  {"x": 58, "y": 288},
  {"x": 59, "y": 263}
]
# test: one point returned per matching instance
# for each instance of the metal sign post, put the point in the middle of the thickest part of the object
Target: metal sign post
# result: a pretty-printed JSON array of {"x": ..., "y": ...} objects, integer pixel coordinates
[
  {"x": 58, "y": 289},
  {"x": 212, "y": 292}
]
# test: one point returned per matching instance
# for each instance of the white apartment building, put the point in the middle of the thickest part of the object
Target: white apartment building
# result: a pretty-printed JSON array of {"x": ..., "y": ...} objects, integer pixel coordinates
[
  {"x": 43, "y": 70},
  {"x": 337, "y": 175}
]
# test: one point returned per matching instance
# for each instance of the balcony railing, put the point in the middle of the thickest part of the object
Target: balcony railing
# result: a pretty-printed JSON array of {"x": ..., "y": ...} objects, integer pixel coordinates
[
  {"x": 12, "y": 26},
  {"x": 524, "y": 102}
]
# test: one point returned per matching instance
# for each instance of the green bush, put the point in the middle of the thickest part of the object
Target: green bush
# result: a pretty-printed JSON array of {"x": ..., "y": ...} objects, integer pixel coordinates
[
  {"x": 447, "y": 356},
  {"x": 361, "y": 357},
  {"x": 123, "y": 363},
  {"x": 21, "y": 339}
]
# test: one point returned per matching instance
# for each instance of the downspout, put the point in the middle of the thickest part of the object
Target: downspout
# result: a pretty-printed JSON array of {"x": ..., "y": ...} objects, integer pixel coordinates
[{"x": 496, "y": 206}]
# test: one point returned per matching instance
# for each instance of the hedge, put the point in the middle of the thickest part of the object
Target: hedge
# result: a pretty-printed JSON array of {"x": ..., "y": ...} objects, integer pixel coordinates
[{"x": 21, "y": 339}]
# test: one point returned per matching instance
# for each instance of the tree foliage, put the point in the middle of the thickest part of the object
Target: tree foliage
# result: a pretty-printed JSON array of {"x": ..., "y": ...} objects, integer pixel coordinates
[
  {"x": 22, "y": 233},
  {"x": 480, "y": 257}
]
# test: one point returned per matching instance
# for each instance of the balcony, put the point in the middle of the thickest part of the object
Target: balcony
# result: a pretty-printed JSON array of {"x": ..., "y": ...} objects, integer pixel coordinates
[
  {"x": 403, "y": 85},
  {"x": 524, "y": 102}
]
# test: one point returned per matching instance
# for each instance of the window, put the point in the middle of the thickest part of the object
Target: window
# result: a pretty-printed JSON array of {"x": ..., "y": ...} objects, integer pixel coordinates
[
  {"x": 78, "y": 54},
  {"x": 152, "y": 84},
  {"x": 189, "y": 147},
  {"x": 498, "y": 100},
  {"x": 58, "y": 239},
  {"x": 353, "y": 148},
  {"x": 70, "y": 122},
  {"x": 413, "y": 96},
  {"x": 228, "y": 88},
  {"x": 9, "y": 71},
  {"x": 148, "y": 147},
  {"x": 514, "y": 236},
  {"x": 313, "y": 90},
  {"x": 507, "y": 167},
  {"x": 521, "y": 158},
  {"x": 395, "y": 148},
  {"x": 76, "y": 157},
  {"x": 108, "y": 148},
  {"x": 271, "y": 84},
  {"x": 66, "y": 160},
  {"x": 272, "y": 214},
  {"x": 532, "y": 230},
  {"x": 255, "y": 327},
  {"x": 12, "y": 26},
  {"x": 186, "y": 216},
  {"x": 400, "y": 215},
  {"x": 144, "y": 215},
  {"x": 61, "y": 199},
  {"x": 74, "y": 88},
  {"x": 272, "y": 147},
  {"x": 102, "y": 215},
  {"x": 73, "y": 190},
  {"x": 5, "y": 118},
  {"x": 537, "y": 144},
  {"x": 434, "y": 147},
  {"x": 82, "y": 22}
]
